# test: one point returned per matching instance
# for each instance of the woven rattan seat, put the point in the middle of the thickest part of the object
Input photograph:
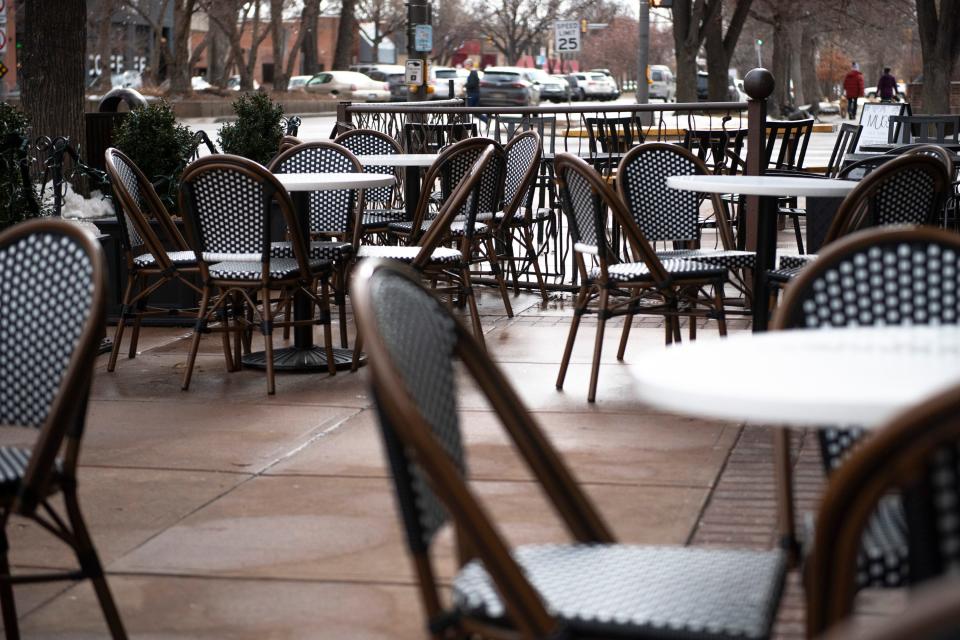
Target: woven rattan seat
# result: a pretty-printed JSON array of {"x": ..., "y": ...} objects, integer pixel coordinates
[
  {"x": 279, "y": 269},
  {"x": 185, "y": 258},
  {"x": 458, "y": 228},
  {"x": 440, "y": 255},
  {"x": 624, "y": 272},
  {"x": 319, "y": 250},
  {"x": 628, "y": 591},
  {"x": 732, "y": 259}
]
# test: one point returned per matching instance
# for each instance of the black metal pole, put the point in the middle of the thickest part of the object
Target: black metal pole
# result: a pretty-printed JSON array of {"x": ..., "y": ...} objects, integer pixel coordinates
[{"x": 418, "y": 13}]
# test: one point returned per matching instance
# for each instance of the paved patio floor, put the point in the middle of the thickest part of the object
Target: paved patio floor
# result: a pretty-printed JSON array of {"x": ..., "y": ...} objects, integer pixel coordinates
[{"x": 224, "y": 513}]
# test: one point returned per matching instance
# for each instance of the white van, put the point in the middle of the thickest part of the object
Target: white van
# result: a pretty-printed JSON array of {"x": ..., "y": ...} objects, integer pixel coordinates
[{"x": 663, "y": 85}]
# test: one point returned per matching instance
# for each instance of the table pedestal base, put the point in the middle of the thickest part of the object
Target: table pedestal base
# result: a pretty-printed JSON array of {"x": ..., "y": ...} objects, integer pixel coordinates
[{"x": 313, "y": 359}]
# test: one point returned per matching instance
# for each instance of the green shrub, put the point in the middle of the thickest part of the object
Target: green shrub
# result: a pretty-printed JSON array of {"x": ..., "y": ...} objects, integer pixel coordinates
[
  {"x": 16, "y": 202},
  {"x": 257, "y": 132},
  {"x": 158, "y": 145}
]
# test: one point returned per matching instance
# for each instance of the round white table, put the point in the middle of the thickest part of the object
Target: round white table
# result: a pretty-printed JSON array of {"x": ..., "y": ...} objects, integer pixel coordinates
[
  {"x": 769, "y": 189},
  {"x": 808, "y": 377},
  {"x": 304, "y": 355},
  {"x": 815, "y": 377}
]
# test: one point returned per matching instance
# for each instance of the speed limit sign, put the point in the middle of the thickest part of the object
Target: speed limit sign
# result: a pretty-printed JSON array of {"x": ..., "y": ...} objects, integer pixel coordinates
[{"x": 567, "y": 34}]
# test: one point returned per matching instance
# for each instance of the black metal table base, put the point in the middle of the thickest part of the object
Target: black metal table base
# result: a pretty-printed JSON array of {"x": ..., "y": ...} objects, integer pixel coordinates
[{"x": 313, "y": 359}]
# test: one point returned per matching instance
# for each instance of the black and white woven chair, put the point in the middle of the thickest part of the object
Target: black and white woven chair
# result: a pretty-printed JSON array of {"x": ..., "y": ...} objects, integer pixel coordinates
[
  {"x": 645, "y": 285},
  {"x": 908, "y": 190},
  {"x": 227, "y": 203},
  {"x": 666, "y": 215},
  {"x": 149, "y": 264},
  {"x": 334, "y": 234},
  {"x": 434, "y": 262},
  {"x": 591, "y": 587},
  {"x": 52, "y": 313},
  {"x": 383, "y": 204},
  {"x": 878, "y": 277}
]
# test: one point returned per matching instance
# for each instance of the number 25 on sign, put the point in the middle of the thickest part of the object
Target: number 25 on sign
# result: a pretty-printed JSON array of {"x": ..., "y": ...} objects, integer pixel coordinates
[{"x": 567, "y": 33}]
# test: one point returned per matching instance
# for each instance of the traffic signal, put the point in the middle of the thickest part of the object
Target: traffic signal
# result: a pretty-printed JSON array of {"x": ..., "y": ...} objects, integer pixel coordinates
[
  {"x": 583, "y": 25},
  {"x": 759, "y": 42}
]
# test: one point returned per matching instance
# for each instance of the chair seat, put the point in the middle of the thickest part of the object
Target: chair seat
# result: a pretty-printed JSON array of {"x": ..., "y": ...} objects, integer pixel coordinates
[
  {"x": 13, "y": 466},
  {"x": 783, "y": 276},
  {"x": 636, "y": 591},
  {"x": 719, "y": 257},
  {"x": 679, "y": 269},
  {"x": 280, "y": 269},
  {"x": 179, "y": 258},
  {"x": 788, "y": 262},
  {"x": 519, "y": 216},
  {"x": 379, "y": 218},
  {"x": 884, "y": 558},
  {"x": 440, "y": 255},
  {"x": 319, "y": 250},
  {"x": 792, "y": 211},
  {"x": 457, "y": 228}
]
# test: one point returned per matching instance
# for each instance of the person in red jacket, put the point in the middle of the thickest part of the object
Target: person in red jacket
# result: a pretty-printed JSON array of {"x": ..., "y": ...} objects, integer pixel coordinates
[{"x": 853, "y": 88}]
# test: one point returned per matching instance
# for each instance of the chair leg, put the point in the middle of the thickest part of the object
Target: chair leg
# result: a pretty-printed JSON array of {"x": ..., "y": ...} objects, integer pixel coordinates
[
  {"x": 7, "y": 602},
  {"x": 266, "y": 328},
  {"x": 677, "y": 337},
  {"x": 578, "y": 310},
  {"x": 498, "y": 275},
  {"x": 138, "y": 318},
  {"x": 340, "y": 295},
  {"x": 532, "y": 257},
  {"x": 324, "y": 303},
  {"x": 624, "y": 335},
  {"x": 355, "y": 362},
  {"x": 718, "y": 301},
  {"x": 195, "y": 339},
  {"x": 796, "y": 231},
  {"x": 90, "y": 565},
  {"x": 693, "y": 328},
  {"x": 287, "y": 306},
  {"x": 598, "y": 344},
  {"x": 471, "y": 301},
  {"x": 118, "y": 334}
]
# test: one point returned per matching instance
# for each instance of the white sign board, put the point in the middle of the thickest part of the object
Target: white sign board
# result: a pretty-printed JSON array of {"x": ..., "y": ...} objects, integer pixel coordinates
[
  {"x": 875, "y": 119},
  {"x": 423, "y": 38},
  {"x": 567, "y": 36},
  {"x": 414, "y": 72}
]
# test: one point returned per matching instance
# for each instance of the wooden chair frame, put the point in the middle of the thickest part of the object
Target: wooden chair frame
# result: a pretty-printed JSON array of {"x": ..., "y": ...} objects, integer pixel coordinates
[
  {"x": 235, "y": 292},
  {"x": 139, "y": 287},
  {"x": 62, "y": 431},
  {"x": 665, "y": 291}
]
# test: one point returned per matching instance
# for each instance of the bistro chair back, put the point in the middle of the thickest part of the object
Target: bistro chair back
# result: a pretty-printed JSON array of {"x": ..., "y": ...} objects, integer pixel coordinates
[
  {"x": 432, "y": 137},
  {"x": 847, "y": 139},
  {"x": 591, "y": 587},
  {"x": 288, "y": 141},
  {"x": 613, "y": 135},
  {"x": 662, "y": 213},
  {"x": 523, "y": 153},
  {"x": 332, "y": 213},
  {"x": 786, "y": 143},
  {"x": 718, "y": 149},
  {"x": 456, "y": 167},
  {"x": 52, "y": 306},
  {"x": 915, "y": 456},
  {"x": 907, "y": 190},
  {"x": 375, "y": 143},
  {"x": 933, "y": 128}
]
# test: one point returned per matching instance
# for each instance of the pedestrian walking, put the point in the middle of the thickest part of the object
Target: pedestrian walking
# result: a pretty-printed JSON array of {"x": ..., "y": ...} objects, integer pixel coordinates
[
  {"x": 473, "y": 87},
  {"x": 887, "y": 86},
  {"x": 853, "y": 89}
]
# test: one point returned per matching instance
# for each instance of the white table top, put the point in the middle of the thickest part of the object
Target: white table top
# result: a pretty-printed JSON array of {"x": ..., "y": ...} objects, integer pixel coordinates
[
  {"x": 763, "y": 185},
  {"x": 398, "y": 160},
  {"x": 333, "y": 181},
  {"x": 856, "y": 376}
]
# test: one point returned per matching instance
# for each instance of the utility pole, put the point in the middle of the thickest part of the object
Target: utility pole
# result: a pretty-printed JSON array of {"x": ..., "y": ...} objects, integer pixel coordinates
[
  {"x": 419, "y": 45},
  {"x": 643, "y": 53}
]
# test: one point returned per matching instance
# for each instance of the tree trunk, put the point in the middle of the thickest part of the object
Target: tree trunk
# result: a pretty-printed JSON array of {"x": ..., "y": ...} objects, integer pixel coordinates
[
  {"x": 223, "y": 18},
  {"x": 940, "y": 47},
  {"x": 686, "y": 53},
  {"x": 247, "y": 70},
  {"x": 795, "y": 35},
  {"x": 308, "y": 24},
  {"x": 52, "y": 73},
  {"x": 105, "y": 45},
  {"x": 180, "y": 67},
  {"x": 718, "y": 63},
  {"x": 279, "y": 40},
  {"x": 808, "y": 68},
  {"x": 343, "y": 55},
  {"x": 781, "y": 69}
]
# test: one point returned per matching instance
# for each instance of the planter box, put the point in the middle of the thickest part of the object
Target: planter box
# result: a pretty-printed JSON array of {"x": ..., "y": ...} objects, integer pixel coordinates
[{"x": 171, "y": 295}]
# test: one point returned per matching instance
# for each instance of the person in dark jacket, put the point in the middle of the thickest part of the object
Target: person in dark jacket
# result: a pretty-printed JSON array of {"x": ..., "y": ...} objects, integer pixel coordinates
[
  {"x": 472, "y": 85},
  {"x": 853, "y": 89},
  {"x": 887, "y": 86}
]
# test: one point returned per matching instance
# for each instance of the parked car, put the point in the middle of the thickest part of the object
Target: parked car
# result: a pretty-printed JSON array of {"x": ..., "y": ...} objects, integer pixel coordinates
[
  {"x": 507, "y": 86},
  {"x": 393, "y": 75},
  {"x": 551, "y": 88},
  {"x": 398, "y": 87},
  {"x": 199, "y": 83},
  {"x": 349, "y": 85},
  {"x": 577, "y": 92},
  {"x": 233, "y": 83},
  {"x": 703, "y": 86},
  {"x": 594, "y": 86},
  {"x": 614, "y": 90},
  {"x": 298, "y": 83},
  {"x": 663, "y": 85},
  {"x": 443, "y": 76}
]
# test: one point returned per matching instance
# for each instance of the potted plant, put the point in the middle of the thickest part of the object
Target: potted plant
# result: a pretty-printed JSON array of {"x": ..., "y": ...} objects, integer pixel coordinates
[
  {"x": 257, "y": 132},
  {"x": 17, "y": 200},
  {"x": 151, "y": 137}
]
